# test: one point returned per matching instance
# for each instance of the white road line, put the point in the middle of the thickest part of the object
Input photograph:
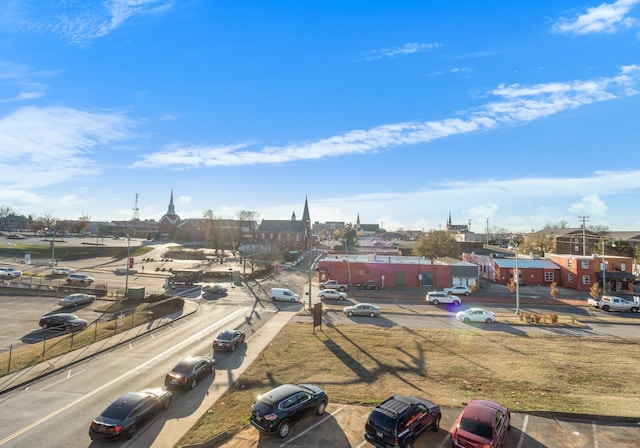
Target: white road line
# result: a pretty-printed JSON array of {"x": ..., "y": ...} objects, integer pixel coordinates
[
  {"x": 594, "y": 427},
  {"x": 523, "y": 431},
  {"x": 121, "y": 377},
  {"x": 311, "y": 427},
  {"x": 69, "y": 375}
]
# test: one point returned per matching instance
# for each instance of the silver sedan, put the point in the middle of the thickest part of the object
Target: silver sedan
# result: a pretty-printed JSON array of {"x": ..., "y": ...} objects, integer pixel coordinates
[{"x": 74, "y": 300}]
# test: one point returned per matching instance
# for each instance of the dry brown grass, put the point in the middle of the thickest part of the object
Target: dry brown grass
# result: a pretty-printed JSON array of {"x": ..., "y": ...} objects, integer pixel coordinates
[{"x": 363, "y": 364}]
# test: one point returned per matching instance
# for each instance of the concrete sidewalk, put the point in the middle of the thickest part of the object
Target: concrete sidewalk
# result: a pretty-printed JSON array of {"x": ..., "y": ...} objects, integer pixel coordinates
[
  {"x": 24, "y": 377},
  {"x": 175, "y": 428}
]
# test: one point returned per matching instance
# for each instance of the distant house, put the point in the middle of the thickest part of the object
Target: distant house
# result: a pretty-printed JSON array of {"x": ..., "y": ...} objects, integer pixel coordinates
[{"x": 580, "y": 273}]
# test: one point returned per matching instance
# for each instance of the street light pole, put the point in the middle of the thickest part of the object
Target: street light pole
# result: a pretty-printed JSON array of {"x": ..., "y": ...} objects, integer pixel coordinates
[
  {"x": 517, "y": 283},
  {"x": 126, "y": 282}
]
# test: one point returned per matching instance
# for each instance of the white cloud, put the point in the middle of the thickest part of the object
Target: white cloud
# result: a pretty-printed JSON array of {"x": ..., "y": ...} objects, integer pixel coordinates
[
  {"x": 55, "y": 144},
  {"x": 605, "y": 18},
  {"x": 77, "y": 21},
  {"x": 409, "y": 48},
  {"x": 517, "y": 104},
  {"x": 591, "y": 205}
]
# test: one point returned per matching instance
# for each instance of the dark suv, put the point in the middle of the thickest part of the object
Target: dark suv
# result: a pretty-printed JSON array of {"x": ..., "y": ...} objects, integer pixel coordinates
[
  {"x": 278, "y": 409},
  {"x": 370, "y": 284},
  {"x": 397, "y": 421}
]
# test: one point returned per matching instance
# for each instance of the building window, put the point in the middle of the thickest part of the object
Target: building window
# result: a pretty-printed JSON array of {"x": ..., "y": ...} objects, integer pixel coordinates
[
  {"x": 569, "y": 263},
  {"x": 623, "y": 267},
  {"x": 570, "y": 278},
  {"x": 584, "y": 264},
  {"x": 548, "y": 276},
  {"x": 586, "y": 280}
]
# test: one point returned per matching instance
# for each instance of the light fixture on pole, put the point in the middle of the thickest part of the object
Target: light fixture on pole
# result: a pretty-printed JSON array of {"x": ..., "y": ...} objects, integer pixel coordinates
[{"x": 53, "y": 245}]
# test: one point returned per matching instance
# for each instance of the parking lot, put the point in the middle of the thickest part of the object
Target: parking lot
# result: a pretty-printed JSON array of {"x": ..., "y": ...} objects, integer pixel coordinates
[{"x": 343, "y": 426}]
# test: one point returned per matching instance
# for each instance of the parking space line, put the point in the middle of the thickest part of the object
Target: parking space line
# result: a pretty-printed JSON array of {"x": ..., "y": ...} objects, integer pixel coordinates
[
  {"x": 594, "y": 427},
  {"x": 523, "y": 431},
  {"x": 311, "y": 427}
]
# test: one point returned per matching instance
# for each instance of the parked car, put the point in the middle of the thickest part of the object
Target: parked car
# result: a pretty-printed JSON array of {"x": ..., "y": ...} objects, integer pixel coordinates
[
  {"x": 399, "y": 420},
  {"x": 459, "y": 290},
  {"x": 370, "y": 284},
  {"x": 284, "y": 294},
  {"x": 481, "y": 423},
  {"x": 476, "y": 315},
  {"x": 362, "y": 309},
  {"x": 331, "y": 294},
  {"x": 188, "y": 371},
  {"x": 62, "y": 322},
  {"x": 79, "y": 279},
  {"x": 74, "y": 300},
  {"x": 288, "y": 265},
  {"x": 125, "y": 415},
  {"x": 278, "y": 409},
  {"x": 9, "y": 273},
  {"x": 228, "y": 340},
  {"x": 62, "y": 271},
  {"x": 438, "y": 297},
  {"x": 214, "y": 289}
]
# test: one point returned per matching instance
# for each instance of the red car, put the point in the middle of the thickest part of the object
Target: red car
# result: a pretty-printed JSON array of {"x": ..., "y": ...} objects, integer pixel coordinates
[{"x": 482, "y": 423}]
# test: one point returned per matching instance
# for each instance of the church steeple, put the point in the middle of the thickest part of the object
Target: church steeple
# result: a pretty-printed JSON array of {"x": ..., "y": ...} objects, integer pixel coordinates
[
  {"x": 305, "y": 214},
  {"x": 171, "y": 210}
]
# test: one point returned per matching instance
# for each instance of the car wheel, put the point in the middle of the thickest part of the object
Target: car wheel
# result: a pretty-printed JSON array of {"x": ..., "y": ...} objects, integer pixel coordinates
[
  {"x": 75, "y": 304},
  {"x": 283, "y": 429},
  {"x": 342, "y": 288},
  {"x": 488, "y": 320},
  {"x": 372, "y": 314},
  {"x": 408, "y": 443},
  {"x": 634, "y": 309},
  {"x": 467, "y": 293},
  {"x": 465, "y": 320},
  {"x": 68, "y": 328},
  {"x": 131, "y": 431},
  {"x": 436, "y": 424},
  {"x": 194, "y": 383},
  {"x": 293, "y": 300},
  {"x": 350, "y": 313},
  {"x": 273, "y": 298},
  {"x": 167, "y": 403},
  {"x": 605, "y": 308},
  {"x": 233, "y": 347},
  {"x": 436, "y": 302},
  {"x": 321, "y": 408},
  {"x": 456, "y": 302},
  {"x": 45, "y": 326},
  {"x": 322, "y": 297}
]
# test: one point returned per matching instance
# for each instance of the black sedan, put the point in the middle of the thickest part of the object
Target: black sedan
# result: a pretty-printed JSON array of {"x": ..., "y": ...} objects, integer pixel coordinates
[
  {"x": 63, "y": 322},
  {"x": 228, "y": 340},
  {"x": 125, "y": 415},
  {"x": 278, "y": 409},
  {"x": 188, "y": 371}
]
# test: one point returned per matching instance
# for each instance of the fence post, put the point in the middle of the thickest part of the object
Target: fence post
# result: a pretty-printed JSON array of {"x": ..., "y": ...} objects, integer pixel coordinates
[{"x": 9, "y": 362}]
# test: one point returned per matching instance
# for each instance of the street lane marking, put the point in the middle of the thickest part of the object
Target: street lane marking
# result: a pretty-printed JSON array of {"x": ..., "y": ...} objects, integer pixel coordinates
[
  {"x": 121, "y": 377},
  {"x": 69, "y": 375},
  {"x": 523, "y": 431}
]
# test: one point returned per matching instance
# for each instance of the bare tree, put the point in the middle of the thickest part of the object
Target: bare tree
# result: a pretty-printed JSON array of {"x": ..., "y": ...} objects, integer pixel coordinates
[{"x": 6, "y": 211}]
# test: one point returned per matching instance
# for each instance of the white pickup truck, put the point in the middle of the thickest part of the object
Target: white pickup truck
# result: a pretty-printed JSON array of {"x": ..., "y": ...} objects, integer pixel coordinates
[
  {"x": 333, "y": 284},
  {"x": 613, "y": 303}
]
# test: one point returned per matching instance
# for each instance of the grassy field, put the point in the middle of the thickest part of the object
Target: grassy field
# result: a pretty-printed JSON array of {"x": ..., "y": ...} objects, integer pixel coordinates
[{"x": 364, "y": 364}]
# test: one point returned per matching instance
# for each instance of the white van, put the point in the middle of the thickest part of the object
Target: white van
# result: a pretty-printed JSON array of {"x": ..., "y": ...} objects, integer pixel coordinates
[{"x": 284, "y": 294}]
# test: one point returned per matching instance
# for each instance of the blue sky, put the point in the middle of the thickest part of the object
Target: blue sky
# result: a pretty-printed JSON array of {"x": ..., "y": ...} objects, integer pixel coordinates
[{"x": 525, "y": 113}]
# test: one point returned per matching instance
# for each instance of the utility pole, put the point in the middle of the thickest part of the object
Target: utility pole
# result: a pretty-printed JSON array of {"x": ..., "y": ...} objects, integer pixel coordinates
[
  {"x": 584, "y": 236},
  {"x": 487, "y": 219}
]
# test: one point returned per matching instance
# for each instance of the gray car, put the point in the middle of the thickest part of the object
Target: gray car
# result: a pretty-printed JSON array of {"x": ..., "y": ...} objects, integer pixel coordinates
[
  {"x": 362, "y": 309},
  {"x": 74, "y": 300}
]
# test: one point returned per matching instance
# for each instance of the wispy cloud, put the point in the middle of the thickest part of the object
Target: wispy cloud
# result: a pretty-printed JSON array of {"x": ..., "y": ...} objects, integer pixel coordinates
[
  {"x": 55, "y": 144},
  {"x": 77, "y": 21},
  {"x": 517, "y": 104},
  {"x": 605, "y": 18},
  {"x": 409, "y": 48}
]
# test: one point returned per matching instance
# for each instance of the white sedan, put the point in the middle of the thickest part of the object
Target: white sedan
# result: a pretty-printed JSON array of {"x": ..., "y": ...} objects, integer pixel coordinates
[
  {"x": 332, "y": 294},
  {"x": 459, "y": 290},
  {"x": 476, "y": 315}
]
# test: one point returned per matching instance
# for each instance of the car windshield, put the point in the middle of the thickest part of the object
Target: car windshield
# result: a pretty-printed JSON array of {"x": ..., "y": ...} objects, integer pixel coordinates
[{"x": 477, "y": 428}]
